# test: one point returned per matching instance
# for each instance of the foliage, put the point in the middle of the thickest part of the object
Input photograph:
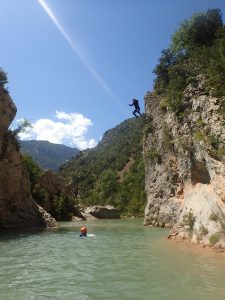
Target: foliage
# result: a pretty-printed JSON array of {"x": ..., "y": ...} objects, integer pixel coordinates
[
  {"x": 167, "y": 139},
  {"x": 14, "y": 133},
  {"x": 197, "y": 48},
  {"x": 131, "y": 197},
  {"x": 213, "y": 217},
  {"x": 153, "y": 154},
  {"x": 189, "y": 219},
  {"x": 199, "y": 30},
  {"x": 105, "y": 189},
  {"x": 39, "y": 194},
  {"x": 63, "y": 207},
  {"x": 94, "y": 172},
  {"x": 3, "y": 78},
  {"x": 217, "y": 148},
  {"x": 22, "y": 126},
  {"x": 203, "y": 230},
  {"x": 148, "y": 128},
  {"x": 200, "y": 123},
  {"x": 32, "y": 169},
  {"x": 199, "y": 136},
  {"x": 34, "y": 172},
  {"x": 166, "y": 60},
  {"x": 214, "y": 238}
]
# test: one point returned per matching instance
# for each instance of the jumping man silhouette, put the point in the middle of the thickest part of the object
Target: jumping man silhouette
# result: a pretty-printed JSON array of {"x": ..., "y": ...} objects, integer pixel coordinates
[{"x": 137, "y": 108}]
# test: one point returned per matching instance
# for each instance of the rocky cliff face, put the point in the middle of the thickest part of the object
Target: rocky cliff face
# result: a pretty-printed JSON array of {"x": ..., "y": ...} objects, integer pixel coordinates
[
  {"x": 17, "y": 208},
  {"x": 185, "y": 166}
]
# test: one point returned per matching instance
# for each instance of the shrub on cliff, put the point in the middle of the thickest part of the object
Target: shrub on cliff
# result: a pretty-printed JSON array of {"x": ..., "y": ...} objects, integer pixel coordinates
[
  {"x": 200, "y": 30},
  {"x": 61, "y": 206},
  {"x": 32, "y": 169},
  {"x": 197, "y": 48},
  {"x": 3, "y": 78},
  {"x": 64, "y": 207}
]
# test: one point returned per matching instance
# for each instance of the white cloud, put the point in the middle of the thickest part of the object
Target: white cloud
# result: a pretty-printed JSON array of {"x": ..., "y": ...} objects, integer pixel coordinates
[{"x": 69, "y": 129}]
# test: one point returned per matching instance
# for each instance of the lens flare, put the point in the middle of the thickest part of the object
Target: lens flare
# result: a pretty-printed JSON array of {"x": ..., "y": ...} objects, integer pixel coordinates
[{"x": 76, "y": 49}]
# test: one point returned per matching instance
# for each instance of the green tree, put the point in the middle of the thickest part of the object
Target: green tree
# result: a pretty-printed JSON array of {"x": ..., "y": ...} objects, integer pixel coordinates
[
  {"x": 63, "y": 207},
  {"x": 39, "y": 194},
  {"x": 34, "y": 172},
  {"x": 32, "y": 169},
  {"x": 199, "y": 30},
  {"x": 107, "y": 186},
  {"x": 22, "y": 126},
  {"x": 166, "y": 60},
  {"x": 197, "y": 48}
]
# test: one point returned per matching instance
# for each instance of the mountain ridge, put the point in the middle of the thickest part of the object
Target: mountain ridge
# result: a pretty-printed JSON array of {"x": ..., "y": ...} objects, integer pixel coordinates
[{"x": 48, "y": 155}]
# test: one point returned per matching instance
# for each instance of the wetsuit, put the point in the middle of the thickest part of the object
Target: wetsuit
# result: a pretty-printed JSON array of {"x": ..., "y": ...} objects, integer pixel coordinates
[
  {"x": 83, "y": 234},
  {"x": 137, "y": 108}
]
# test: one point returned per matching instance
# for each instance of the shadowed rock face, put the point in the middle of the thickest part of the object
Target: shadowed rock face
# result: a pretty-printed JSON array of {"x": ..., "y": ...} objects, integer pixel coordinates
[
  {"x": 17, "y": 208},
  {"x": 186, "y": 186}
]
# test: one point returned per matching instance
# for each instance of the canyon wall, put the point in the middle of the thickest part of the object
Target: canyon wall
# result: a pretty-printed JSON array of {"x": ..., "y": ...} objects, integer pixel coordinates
[
  {"x": 184, "y": 156},
  {"x": 17, "y": 208}
]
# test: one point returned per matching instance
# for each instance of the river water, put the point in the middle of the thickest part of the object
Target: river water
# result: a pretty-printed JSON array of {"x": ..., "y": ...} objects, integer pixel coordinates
[{"x": 124, "y": 260}]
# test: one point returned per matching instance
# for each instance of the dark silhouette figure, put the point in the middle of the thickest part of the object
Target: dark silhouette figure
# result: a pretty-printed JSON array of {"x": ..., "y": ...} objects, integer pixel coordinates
[{"x": 137, "y": 108}]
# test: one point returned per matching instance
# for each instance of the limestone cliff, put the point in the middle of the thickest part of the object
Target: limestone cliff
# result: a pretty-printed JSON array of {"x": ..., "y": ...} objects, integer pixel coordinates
[
  {"x": 185, "y": 166},
  {"x": 17, "y": 208}
]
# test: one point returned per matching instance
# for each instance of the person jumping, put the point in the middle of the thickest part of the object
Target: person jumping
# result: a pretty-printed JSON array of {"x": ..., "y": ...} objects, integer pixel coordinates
[{"x": 137, "y": 108}]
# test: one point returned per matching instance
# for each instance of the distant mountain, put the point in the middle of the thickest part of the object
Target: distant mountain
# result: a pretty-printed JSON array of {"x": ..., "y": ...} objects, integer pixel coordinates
[{"x": 48, "y": 155}]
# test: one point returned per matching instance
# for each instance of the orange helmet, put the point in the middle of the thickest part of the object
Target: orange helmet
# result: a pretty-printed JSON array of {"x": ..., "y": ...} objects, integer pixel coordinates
[{"x": 83, "y": 229}]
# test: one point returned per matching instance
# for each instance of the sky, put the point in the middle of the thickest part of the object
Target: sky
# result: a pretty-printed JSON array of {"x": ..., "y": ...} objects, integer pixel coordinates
[{"x": 75, "y": 65}]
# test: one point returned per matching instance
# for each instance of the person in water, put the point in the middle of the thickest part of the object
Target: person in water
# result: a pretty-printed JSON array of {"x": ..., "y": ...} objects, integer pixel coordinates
[
  {"x": 83, "y": 231},
  {"x": 137, "y": 108}
]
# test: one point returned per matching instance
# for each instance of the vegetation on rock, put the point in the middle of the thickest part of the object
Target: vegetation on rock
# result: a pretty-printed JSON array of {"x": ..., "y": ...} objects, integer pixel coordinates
[
  {"x": 57, "y": 203},
  {"x": 3, "y": 78},
  {"x": 187, "y": 132},
  {"x": 197, "y": 48},
  {"x": 96, "y": 173},
  {"x": 32, "y": 169}
]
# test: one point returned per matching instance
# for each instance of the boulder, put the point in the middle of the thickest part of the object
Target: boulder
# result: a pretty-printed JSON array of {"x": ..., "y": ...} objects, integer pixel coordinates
[{"x": 102, "y": 212}]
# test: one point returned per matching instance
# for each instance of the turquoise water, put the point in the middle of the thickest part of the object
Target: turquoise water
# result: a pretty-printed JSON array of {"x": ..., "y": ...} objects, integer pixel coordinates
[{"x": 123, "y": 261}]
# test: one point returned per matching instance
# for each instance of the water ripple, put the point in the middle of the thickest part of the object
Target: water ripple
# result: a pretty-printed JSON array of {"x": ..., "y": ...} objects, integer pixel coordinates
[{"x": 123, "y": 261}]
